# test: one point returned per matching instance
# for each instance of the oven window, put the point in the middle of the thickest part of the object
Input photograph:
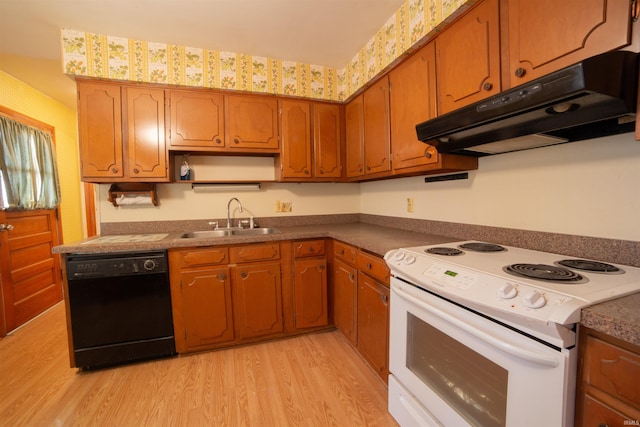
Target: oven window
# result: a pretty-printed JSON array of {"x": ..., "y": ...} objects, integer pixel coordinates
[{"x": 470, "y": 383}]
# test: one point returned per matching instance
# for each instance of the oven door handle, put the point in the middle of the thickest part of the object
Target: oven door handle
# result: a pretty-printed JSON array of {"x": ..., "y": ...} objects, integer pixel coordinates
[{"x": 506, "y": 347}]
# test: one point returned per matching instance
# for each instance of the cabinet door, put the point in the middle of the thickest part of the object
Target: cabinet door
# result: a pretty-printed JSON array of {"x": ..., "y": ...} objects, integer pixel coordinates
[
  {"x": 252, "y": 123},
  {"x": 377, "y": 137},
  {"x": 206, "y": 307},
  {"x": 547, "y": 35},
  {"x": 258, "y": 299},
  {"x": 197, "y": 119},
  {"x": 326, "y": 141},
  {"x": 100, "y": 130},
  {"x": 145, "y": 125},
  {"x": 310, "y": 293},
  {"x": 354, "y": 123},
  {"x": 468, "y": 58},
  {"x": 345, "y": 290},
  {"x": 413, "y": 101},
  {"x": 373, "y": 323},
  {"x": 295, "y": 158}
]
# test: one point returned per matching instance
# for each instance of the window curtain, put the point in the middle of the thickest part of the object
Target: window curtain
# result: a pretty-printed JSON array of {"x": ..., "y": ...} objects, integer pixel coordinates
[{"x": 28, "y": 171}]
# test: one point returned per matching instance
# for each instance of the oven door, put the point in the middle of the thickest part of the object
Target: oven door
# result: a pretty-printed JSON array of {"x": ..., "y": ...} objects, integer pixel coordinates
[{"x": 451, "y": 366}]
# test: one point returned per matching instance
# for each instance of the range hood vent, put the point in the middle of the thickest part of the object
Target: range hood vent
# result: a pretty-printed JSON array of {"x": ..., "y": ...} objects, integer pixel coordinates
[{"x": 591, "y": 99}]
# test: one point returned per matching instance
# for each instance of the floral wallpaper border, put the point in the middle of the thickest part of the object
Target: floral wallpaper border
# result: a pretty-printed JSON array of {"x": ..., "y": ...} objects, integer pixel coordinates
[{"x": 104, "y": 56}]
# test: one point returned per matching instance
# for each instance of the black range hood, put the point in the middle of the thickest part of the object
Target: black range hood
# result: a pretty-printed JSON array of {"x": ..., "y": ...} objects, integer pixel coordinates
[{"x": 594, "y": 98}]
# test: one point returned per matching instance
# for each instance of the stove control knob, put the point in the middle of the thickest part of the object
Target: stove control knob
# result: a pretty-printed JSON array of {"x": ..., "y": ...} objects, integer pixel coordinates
[
  {"x": 507, "y": 291},
  {"x": 399, "y": 256},
  {"x": 410, "y": 259},
  {"x": 534, "y": 299}
]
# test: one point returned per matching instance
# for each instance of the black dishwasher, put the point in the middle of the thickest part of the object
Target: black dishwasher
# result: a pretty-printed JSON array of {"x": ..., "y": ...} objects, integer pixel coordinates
[{"x": 120, "y": 307}]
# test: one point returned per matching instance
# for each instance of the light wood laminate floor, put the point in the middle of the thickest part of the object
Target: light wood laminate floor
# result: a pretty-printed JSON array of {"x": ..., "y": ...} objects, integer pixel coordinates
[{"x": 311, "y": 380}]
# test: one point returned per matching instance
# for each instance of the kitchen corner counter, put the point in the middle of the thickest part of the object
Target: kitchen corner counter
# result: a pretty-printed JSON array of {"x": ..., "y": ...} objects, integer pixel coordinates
[
  {"x": 373, "y": 238},
  {"x": 618, "y": 318}
]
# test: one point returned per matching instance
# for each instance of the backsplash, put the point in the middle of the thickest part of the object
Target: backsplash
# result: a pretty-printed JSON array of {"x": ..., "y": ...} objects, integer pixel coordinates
[{"x": 106, "y": 56}]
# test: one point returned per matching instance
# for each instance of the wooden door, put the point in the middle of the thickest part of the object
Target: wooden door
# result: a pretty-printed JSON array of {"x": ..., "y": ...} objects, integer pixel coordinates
[
  {"x": 295, "y": 130},
  {"x": 547, "y": 35},
  {"x": 206, "y": 308},
  {"x": 354, "y": 139},
  {"x": 197, "y": 119},
  {"x": 468, "y": 58},
  {"x": 258, "y": 299},
  {"x": 345, "y": 290},
  {"x": 413, "y": 100},
  {"x": 30, "y": 278},
  {"x": 373, "y": 323},
  {"x": 145, "y": 139},
  {"x": 326, "y": 141},
  {"x": 100, "y": 131},
  {"x": 252, "y": 123},
  {"x": 310, "y": 293},
  {"x": 377, "y": 136}
]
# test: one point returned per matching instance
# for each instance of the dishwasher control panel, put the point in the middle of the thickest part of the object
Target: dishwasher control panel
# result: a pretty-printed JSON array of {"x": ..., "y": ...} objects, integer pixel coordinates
[{"x": 81, "y": 266}]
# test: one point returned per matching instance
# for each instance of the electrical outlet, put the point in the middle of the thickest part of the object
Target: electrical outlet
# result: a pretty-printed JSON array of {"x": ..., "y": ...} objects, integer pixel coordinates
[
  {"x": 286, "y": 206},
  {"x": 278, "y": 208},
  {"x": 410, "y": 204}
]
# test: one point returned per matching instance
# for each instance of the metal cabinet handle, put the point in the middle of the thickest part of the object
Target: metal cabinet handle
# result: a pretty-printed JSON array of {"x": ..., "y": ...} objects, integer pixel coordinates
[
  {"x": 352, "y": 277},
  {"x": 136, "y": 170},
  {"x": 223, "y": 277},
  {"x": 243, "y": 275},
  {"x": 218, "y": 141},
  {"x": 6, "y": 227},
  {"x": 384, "y": 298},
  {"x": 369, "y": 266},
  {"x": 321, "y": 266},
  {"x": 427, "y": 153},
  {"x": 236, "y": 141},
  {"x": 114, "y": 170},
  {"x": 487, "y": 86},
  {"x": 520, "y": 72}
]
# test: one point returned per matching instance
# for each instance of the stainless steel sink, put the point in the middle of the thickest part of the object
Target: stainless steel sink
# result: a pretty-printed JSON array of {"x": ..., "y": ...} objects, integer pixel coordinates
[{"x": 228, "y": 232}]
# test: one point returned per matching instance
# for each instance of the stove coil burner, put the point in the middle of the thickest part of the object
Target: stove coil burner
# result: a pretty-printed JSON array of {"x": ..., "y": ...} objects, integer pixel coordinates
[
  {"x": 590, "y": 266},
  {"x": 549, "y": 273},
  {"x": 482, "y": 247},
  {"x": 444, "y": 251}
]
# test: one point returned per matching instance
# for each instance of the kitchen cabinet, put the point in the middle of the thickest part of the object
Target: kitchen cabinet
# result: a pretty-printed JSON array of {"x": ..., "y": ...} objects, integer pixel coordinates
[
  {"x": 373, "y": 313},
  {"x": 548, "y": 35},
  {"x": 412, "y": 101},
  {"x": 310, "y": 284},
  {"x": 121, "y": 130},
  {"x": 345, "y": 290},
  {"x": 468, "y": 58},
  {"x": 252, "y": 123},
  {"x": 608, "y": 392},
  {"x": 201, "y": 298},
  {"x": 311, "y": 135},
  {"x": 368, "y": 137},
  {"x": 197, "y": 120},
  {"x": 257, "y": 289}
]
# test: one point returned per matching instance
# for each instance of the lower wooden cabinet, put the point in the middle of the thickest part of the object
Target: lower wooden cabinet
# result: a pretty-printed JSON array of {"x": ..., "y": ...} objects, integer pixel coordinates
[
  {"x": 310, "y": 284},
  {"x": 345, "y": 288},
  {"x": 257, "y": 299},
  {"x": 608, "y": 391}
]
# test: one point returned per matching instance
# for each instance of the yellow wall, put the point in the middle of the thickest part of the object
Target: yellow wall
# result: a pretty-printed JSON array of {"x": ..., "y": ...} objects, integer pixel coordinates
[{"x": 20, "y": 97}]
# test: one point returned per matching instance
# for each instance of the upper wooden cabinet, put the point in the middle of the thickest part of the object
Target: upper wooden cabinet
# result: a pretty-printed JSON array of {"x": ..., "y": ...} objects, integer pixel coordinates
[
  {"x": 413, "y": 100},
  {"x": 468, "y": 58},
  {"x": 121, "y": 133},
  {"x": 100, "y": 131},
  {"x": 311, "y": 149},
  {"x": 252, "y": 123},
  {"x": 197, "y": 120},
  {"x": 144, "y": 136},
  {"x": 547, "y": 35},
  {"x": 368, "y": 138}
]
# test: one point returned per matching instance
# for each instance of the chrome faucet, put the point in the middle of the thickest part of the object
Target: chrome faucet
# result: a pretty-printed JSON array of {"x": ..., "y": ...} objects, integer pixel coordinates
[{"x": 229, "y": 210}]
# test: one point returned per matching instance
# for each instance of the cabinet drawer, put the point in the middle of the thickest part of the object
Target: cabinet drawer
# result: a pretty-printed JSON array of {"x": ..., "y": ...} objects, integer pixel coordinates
[
  {"x": 200, "y": 257},
  {"x": 307, "y": 248},
  {"x": 345, "y": 252},
  {"x": 373, "y": 266},
  {"x": 259, "y": 252},
  {"x": 598, "y": 414},
  {"x": 612, "y": 370}
]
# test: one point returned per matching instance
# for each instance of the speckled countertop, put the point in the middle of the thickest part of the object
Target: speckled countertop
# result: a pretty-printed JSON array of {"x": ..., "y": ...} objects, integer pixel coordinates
[{"x": 619, "y": 318}]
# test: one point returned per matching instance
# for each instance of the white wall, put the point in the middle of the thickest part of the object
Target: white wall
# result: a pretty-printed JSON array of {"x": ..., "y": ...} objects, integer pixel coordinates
[
  {"x": 179, "y": 202},
  {"x": 588, "y": 188}
]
